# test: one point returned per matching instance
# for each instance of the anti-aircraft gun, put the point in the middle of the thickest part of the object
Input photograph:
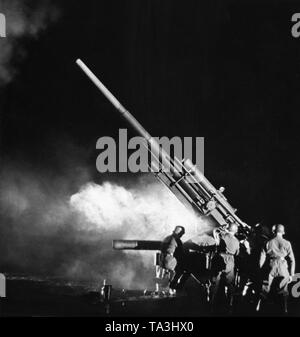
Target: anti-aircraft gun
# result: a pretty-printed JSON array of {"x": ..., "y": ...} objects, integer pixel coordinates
[{"x": 183, "y": 179}]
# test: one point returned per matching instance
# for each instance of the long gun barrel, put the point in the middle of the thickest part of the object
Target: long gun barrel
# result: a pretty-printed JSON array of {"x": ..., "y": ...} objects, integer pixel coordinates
[
  {"x": 136, "y": 245},
  {"x": 183, "y": 178}
]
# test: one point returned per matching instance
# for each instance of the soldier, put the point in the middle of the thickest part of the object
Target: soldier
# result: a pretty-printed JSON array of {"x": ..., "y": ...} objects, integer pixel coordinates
[
  {"x": 275, "y": 255},
  {"x": 223, "y": 265},
  {"x": 172, "y": 256},
  {"x": 250, "y": 271}
]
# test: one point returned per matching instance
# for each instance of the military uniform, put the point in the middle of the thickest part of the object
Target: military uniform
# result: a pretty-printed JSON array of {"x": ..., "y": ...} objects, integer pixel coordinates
[
  {"x": 223, "y": 264},
  {"x": 250, "y": 273},
  {"x": 276, "y": 253},
  {"x": 172, "y": 256}
]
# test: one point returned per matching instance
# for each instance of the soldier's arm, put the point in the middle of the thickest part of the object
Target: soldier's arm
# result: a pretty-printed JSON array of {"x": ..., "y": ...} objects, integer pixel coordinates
[
  {"x": 262, "y": 258},
  {"x": 237, "y": 252},
  {"x": 216, "y": 236},
  {"x": 171, "y": 246},
  {"x": 247, "y": 247},
  {"x": 292, "y": 261}
]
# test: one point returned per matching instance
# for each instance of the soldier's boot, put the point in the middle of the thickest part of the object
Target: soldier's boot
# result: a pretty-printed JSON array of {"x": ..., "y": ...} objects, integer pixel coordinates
[
  {"x": 285, "y": 305},
  {"x": 258, "y": 305},
  {"x": 261, "y": 299},
  {"x": 172, "y": 292},
  {"x": 213, "y": 301},
  {"x": 230, "y": 302},
  {"x": 207, "y": 287}
]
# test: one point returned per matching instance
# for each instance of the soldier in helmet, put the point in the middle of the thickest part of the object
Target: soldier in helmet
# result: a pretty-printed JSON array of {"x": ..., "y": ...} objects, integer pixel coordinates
[
  {"x": 275, "y": 256},
  {"x": 172, "y": 256},
  {"x": 223, "y": 265},
  {"x": 250, "y": 282}
]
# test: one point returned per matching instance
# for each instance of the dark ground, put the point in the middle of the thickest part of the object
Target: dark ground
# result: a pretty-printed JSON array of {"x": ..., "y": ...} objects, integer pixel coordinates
[{"x": 40, "y": 297}]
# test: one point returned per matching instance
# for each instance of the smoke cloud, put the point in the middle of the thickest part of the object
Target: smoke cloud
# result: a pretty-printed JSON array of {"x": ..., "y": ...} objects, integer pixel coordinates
[
  {"x": 51, "y": 227},
  {"x": 24, "y": 19}
]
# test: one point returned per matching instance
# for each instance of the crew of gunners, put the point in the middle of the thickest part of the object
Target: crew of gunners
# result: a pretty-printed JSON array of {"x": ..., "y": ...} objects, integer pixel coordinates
[{"x": 269, "y": 264}]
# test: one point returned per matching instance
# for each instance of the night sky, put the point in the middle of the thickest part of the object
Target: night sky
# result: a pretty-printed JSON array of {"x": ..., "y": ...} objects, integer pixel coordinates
[{"x": 228, "y": 71}]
